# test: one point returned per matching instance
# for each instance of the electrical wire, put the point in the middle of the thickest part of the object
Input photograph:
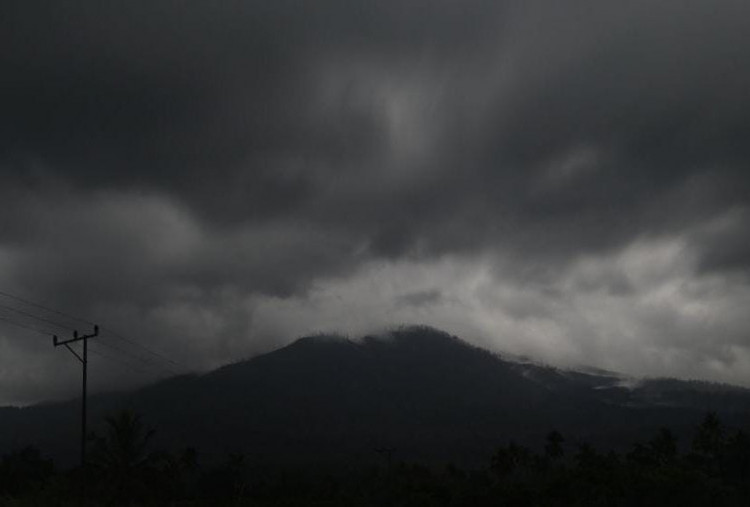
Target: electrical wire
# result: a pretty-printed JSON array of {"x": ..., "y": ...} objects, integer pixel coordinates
[
  {"x": 121, "y": 362},
  {"x": 30, "y": 328},
  {"x": 141, "y": 359},
  {"x": 31, "y": 315},
  {"x": 105, "y": 331},
  {"x": 42, "y": 307},
  {"x": 143, "y": 347}
]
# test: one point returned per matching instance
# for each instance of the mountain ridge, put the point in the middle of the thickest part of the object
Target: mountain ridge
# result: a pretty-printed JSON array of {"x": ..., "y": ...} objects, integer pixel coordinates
[{"x": 418, "y": 389}]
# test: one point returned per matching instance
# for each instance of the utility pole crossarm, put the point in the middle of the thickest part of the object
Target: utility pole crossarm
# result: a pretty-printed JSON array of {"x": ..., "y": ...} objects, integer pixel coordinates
[{"x": 75, "y": 338}]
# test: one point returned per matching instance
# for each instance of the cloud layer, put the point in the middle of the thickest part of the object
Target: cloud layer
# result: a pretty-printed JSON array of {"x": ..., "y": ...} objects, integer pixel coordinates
[{"x": 567, "y": 181}]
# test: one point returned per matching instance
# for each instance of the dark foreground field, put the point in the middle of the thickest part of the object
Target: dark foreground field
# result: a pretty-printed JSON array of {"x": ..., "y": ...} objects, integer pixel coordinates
[{"x": 713, "y": 468}]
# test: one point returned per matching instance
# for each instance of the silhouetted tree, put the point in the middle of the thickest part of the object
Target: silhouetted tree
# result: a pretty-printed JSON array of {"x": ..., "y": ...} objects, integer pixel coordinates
[
  {"x": 664, "y": 446},
  {"x": 737, "y": 463},
  {"x": 510, "y": 459},
  {"x": 120, "y": 456},
  {"x": 710, "y": 437},
  {"x": 228, "y": 480},
  {"x": 23, "y": 471},
  {"x": 553, "y": 448}
]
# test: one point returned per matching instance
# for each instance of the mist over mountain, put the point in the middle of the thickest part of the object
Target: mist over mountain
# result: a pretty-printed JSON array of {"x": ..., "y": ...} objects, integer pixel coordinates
[{"x": 421, "y": 392}]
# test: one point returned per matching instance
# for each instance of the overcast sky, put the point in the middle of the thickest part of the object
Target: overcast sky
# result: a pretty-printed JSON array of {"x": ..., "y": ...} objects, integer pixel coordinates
[{"x": 565, "y": 180}]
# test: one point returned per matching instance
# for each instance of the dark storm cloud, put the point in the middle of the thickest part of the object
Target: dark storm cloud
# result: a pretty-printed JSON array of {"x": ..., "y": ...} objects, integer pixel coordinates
[
  {"x": 159, "y": 158},
  {"x": 211, "y": 100},
  {"x": 216, "y": 103}
]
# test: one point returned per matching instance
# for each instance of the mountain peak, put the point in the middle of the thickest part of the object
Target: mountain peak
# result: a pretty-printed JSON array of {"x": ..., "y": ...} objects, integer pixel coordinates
[
  {"x": 415, "y": 335},
  {"x": 320, "y": 339}
]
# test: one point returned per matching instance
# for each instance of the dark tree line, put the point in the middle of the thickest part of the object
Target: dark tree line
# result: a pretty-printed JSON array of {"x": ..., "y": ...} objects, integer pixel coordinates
[{"x": 712, "y": 469}]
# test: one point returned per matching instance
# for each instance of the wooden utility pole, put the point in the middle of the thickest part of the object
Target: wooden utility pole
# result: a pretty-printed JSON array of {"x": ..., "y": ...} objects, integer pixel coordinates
[{"x": 84, "y": 359}]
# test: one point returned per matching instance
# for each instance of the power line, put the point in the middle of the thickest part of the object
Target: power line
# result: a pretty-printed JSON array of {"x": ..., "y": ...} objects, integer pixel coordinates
[
  {"x": 120, "y": 362},
  {"x": 30, "y": 328},
  {"x": 31, "y": 315},
  {"x": 143, "y": 347},
  {"x": 42, "y": 307},
  {"x": 167, "y": 364},
  {"x": 110, "y": 332},
  {"x": 145, "y": 361}
]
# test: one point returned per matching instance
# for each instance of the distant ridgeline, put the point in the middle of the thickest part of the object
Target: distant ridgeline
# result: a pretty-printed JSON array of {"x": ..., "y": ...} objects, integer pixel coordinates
[{"x": 422, "y": 394}]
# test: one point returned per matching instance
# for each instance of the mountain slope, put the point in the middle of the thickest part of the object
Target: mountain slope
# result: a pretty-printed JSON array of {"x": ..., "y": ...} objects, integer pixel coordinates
[{"x": 418, "y": 390}]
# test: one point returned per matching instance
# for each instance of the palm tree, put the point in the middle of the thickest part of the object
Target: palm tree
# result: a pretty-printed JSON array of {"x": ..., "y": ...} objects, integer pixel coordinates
[{"x": 121, "y": 455}]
